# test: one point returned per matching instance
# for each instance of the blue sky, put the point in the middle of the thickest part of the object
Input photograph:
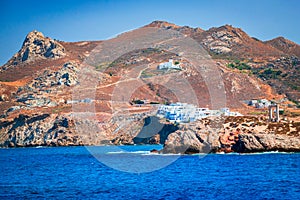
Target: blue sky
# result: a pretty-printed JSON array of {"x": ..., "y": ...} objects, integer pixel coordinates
[{"x": 74, "y": 20}]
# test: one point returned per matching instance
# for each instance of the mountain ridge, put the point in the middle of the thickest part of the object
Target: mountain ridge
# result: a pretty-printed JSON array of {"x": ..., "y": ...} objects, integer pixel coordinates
[
  {"x": 226, "y": 42},
  {"x": 274, "y": 44}
]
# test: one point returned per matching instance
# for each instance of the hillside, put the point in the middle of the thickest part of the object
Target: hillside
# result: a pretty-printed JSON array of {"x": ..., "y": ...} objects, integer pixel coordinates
[
  {"x": 285, "y": 46},
  {"x": 41, "y": 84},
  {"x": 265, "y": 59}
]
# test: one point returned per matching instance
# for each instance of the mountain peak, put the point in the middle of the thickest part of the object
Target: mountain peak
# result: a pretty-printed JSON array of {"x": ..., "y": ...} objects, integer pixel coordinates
[
  {"x": 167, "y": 25},
  {"x": 35, "y": 33},
  {"x": 37, "y": 46},
  {"x": 162, "y": 24},
  {"x": 33, "y": 36},
  {"x": 281, "y": 40}
]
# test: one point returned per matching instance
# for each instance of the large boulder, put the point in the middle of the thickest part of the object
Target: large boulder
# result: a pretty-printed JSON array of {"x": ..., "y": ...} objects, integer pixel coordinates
[{"x": 185, "y": 142}]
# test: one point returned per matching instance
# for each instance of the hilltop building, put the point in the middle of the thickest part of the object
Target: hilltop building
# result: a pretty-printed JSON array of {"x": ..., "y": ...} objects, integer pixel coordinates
[{"x": 168, "y": 65}]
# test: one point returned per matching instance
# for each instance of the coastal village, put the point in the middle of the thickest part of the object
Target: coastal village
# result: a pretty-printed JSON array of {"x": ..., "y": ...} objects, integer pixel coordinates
[{"x": 183, "y": 112}]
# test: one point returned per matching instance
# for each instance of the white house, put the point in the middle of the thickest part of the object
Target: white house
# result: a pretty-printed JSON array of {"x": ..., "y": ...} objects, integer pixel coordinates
[
  {"x": 259, "y": 103},
  {"x": 168, "y": 65}
]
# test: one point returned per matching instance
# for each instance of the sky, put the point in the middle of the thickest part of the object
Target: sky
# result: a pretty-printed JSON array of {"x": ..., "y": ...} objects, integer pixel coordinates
[{"x": 75, "y": 20}]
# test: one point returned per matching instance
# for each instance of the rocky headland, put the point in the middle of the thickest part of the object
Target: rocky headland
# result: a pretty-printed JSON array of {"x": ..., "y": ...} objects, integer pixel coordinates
[
  {"x": 234, "y": 134},
  {"x": 37, "y": 84},
  {"x": 244, "y": 134}
]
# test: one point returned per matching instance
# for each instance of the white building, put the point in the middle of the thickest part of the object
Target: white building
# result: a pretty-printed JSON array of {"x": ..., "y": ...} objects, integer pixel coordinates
[
  {"x": 183, "y": 112},
  {"x": 168, "y": 65},
  {"x": 260, "y": 103}
]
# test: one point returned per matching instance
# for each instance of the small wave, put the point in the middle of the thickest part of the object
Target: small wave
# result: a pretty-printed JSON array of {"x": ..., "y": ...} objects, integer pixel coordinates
[
  {"x": 128, "y": 152},
  {"x": 267, "y": 152},
  {"x": 162, "y": 154}
]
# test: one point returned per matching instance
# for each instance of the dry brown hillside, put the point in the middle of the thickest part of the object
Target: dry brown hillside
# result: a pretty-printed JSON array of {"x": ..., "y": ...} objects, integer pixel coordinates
[
  {"x": 285, "y": 46},
  {"x": 41, "y": 62}
]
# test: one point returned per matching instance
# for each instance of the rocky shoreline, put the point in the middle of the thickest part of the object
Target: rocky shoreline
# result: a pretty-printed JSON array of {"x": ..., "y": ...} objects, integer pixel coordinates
[
  {"x": 245, "y": 134},
  {"x": 235, "y": 134}
]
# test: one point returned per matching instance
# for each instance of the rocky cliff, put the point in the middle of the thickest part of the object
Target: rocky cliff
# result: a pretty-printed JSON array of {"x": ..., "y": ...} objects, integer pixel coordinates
[
  {"x": 39, "y": 130},
  {"x": 234, "y": 134},
  {"x": 28, "y": 130},
  {"x": 231, "y": 134},
  {"x": 262, "y": 142}
]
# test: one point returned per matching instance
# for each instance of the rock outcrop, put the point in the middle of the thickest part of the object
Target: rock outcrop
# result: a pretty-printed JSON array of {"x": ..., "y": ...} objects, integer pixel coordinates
[
  {"x": 50, "y": 130},
  {"x": 183, "y": 29},
  {"x": 38, "y": 130},
  {"x": 42, "y": 91},
  {"x": 65, "y": 76},
  {"x": 36, "y": 46},
  {"x": 234, "y": 134},
  {"x": 186, "y": 142},
  {"x": 249, "y": 143}
]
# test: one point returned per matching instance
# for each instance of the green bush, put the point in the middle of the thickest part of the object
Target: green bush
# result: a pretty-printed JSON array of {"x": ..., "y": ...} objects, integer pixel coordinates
[
  {"x": 236, "y": 64},
  {"x": 270, "y": 74}
]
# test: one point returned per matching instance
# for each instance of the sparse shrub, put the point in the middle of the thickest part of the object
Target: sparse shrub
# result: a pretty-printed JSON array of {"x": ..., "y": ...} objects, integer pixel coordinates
[{"x": 239, "y": 65}]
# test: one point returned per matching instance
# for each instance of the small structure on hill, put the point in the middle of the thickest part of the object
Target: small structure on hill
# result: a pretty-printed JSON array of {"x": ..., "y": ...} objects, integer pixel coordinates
[
  {"x": 274, "y": 108},
  {"x": 259, "y": 103},
  {"x": 168, "y": 65}
]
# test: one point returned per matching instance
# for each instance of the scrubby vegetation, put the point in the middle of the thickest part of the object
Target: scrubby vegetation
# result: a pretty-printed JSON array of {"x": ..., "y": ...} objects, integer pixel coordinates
[
  {"x": 239, "y": 65},
  {"x": 282, "y": 74},
  {"x": 268, "y": 73}
]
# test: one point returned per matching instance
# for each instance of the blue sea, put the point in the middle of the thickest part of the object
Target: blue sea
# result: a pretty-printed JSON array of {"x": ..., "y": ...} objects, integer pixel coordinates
[{"x": 131, "y": 172}]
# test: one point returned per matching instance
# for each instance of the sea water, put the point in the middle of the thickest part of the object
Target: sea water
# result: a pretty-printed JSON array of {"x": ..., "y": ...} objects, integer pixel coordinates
[{"x": 132, "y": 172}]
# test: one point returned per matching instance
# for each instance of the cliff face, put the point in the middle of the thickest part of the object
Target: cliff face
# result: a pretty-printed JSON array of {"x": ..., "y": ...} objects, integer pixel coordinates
[
  {"x": 249, "y": 143},
  {"x": 27, "y": 130},
  {"x": 38, "y": 130},
  {"x": 234, "y": 134}
]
